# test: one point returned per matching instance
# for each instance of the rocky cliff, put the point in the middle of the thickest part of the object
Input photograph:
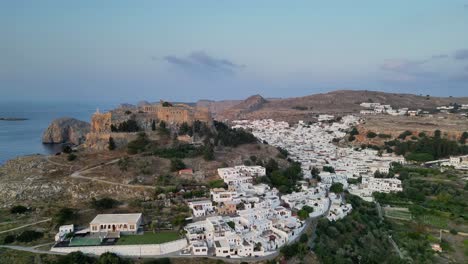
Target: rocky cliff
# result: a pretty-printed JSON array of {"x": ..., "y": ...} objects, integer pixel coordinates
[{"x": 66, "y": 130}]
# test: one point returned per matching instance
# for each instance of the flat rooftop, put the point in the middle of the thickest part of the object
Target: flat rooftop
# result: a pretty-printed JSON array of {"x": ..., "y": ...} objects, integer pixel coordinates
[{"x": 116, "y": 218}]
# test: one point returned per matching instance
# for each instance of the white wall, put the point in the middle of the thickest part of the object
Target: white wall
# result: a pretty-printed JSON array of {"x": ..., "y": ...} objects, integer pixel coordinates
[{"x": 128, "y": 250}]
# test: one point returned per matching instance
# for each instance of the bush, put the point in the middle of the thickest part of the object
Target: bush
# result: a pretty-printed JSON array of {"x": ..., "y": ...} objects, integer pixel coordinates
[
  {"x": 126, "y": 126},
  {"x": 303, "y": 238},
  {"x": 405, "y": 134},
  {"x": 29, "y": 235},
  {"x": 371, "y": 134},
  {"x": 111, "y": 258},
  {"x": 111, "y": 145},
  {"x": 64, "y": 215},
  {"x": 139, "y": 144},
  {"x": 18, "y": 209},
  {"x": 71, "y": 157},
  {"x": 177, "y": 164},
  {"x": 75, "y": 258},
  {"x": 384, "y": 136},
  {"x": 104, "y": 203},
  {"x": 9, "y": 239}
]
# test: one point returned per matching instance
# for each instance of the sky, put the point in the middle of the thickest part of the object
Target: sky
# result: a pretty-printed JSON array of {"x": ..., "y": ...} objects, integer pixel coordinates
[{"x": 126, "y": 51}]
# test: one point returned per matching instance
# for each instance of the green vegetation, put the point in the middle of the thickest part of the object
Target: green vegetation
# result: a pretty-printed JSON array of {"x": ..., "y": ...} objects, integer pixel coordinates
[
  {"x": 148, "y": 238},
  {"x": 384, "y": 136},
  {"x": 359, "y": 237},
  {"x": 19, "y": 209},
  {"x": 71, "y": 157},
  {"x": 111, "y": 144},
  {"x": 232, "y": 137},
  {"x": 104, "y": 203},
  {"x": 284, "y": 180},
  {"x": 139, "y": 144},
  {"x": 304, "y": 212},
  {"x": 177, "y": 164},
  {"x": 354, "y": 131},
  {"x": 64, "y": 215},
  {"x": 28, "y": 236},
  {"x": 371, "y": 134},
  {"x": 179, "y": 151},
  {"x": 427, "y": 148},
  {"x": 216, "y": 184},
  {"x": 336, "y": 187},
  {"x": 126, "y": 126},
  {"x": 405, "y": 134},
  {"x": 328, "y": 169}
]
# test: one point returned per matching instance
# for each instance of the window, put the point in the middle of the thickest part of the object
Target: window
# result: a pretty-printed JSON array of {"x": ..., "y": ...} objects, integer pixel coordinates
[{"x": 132, "y": 227}]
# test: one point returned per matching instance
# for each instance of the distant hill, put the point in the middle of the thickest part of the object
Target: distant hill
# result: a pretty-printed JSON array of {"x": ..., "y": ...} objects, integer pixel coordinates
[{"x": 307, "y": 107}]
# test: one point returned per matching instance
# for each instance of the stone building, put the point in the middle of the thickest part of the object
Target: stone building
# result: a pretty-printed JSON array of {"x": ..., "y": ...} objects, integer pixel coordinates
[{"x": 178, "y": 113}]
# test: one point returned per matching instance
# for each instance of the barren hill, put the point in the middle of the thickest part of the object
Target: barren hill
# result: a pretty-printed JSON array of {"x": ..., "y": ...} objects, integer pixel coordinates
[{"x": 336, "y": 102}]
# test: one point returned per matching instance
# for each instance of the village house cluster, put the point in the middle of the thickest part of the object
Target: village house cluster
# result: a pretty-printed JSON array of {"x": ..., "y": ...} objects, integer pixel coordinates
[
  {"x": 312, "y": 146},
  {"x": 377, "y": 108},
  {"x": 243, "y": 220}
]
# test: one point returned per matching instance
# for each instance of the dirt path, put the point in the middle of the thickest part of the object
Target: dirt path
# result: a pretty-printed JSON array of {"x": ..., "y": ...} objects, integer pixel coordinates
[
  {"x": 23, "y": 226},
  {"x": 78, "y": 175}
]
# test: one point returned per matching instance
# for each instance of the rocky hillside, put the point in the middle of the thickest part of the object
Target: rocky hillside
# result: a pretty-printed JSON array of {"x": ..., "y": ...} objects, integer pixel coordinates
[
  {"x": 66, "y": 130},
  {"x": 336, "y": 102}
]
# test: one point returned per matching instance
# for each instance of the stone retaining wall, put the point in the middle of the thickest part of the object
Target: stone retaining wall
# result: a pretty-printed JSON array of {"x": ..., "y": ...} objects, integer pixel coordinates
[{"x": 128, "y": 250}]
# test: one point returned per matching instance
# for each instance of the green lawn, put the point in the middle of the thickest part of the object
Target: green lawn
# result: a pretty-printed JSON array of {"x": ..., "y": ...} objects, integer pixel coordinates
[
  {"x": 85, "y": 241},
  {"x": 148, "y": 238}
]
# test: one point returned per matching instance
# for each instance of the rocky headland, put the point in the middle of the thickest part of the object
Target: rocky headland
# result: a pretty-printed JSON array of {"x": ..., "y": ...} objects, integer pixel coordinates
[{"x": 66, "y": 130}]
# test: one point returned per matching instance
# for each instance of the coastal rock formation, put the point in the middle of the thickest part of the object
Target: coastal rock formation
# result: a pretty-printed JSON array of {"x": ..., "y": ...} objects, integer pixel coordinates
[{"x": 66, "y": 130}]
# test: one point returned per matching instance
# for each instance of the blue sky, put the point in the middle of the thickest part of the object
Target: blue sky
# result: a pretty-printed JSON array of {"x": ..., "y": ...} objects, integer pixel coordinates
[{"x": 189, "y": 50}]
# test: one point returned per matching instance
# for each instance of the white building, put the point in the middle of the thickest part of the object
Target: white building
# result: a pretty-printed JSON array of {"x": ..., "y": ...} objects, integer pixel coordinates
[{"x": 124, "y": 223}]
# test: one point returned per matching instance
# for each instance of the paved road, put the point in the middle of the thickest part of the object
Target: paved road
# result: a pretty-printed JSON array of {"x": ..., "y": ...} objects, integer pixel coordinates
[
  {"x": 23, "y": 226},
  {"x": 395, "y": 246}
]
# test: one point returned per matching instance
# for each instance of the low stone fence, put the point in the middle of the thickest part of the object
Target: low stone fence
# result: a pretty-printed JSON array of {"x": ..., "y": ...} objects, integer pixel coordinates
[{"x": 128, "y": 250}]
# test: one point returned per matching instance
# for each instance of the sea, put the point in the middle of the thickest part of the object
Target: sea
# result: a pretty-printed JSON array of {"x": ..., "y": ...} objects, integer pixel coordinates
[{"x": 23, "y": 137}]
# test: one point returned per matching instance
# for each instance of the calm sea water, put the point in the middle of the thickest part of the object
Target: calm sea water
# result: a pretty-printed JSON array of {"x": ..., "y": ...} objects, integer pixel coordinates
[{"x": 24, "y": 137}]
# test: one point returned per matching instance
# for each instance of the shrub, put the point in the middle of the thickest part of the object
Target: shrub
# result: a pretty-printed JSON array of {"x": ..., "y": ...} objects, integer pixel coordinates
[
  {"x": 303, "y": 238},
  {"x": 405, "y": 134},
  {"x": 177, "y": 164},
  {"x": 29, "y": 235},
  {"x": 9, "y": 239},
  {"x": 74, "y": 258},
  {"x": 18, "y": 209},
  {"x": 139, "y": 144},
  {"x": 71, "y": 157},
  {"x": 371, "y": 134},
  {"x": 384, "y": 136},
  {"x": 104, "y": 203}
]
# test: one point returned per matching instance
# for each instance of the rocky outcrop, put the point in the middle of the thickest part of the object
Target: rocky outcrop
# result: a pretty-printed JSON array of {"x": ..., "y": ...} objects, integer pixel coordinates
[{"x": 66, "y": 130}]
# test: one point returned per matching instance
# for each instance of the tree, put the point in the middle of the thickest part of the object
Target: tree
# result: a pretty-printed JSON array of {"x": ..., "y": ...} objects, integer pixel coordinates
[
  {"x": 336, "y": 187},
  {"x": 328, "y": 169},
  {"x": 64, "y": 215},
  {"x": 139, "y": 144},
  {"x": 208, "y": 152},
  {"x": 177, "y": 164},
  {"x": 110, "y": 258},
  {"x": 315, "y": 172},
  {"x": 153, "y": 125},
  {"x": 437, "y": 134},
  {"x": 231, "y": 224},
  {"x": 463, "y": 138},
  {"x": 29, "y": 235},
  {"x": 303, "y": 238},
  {"x": 67, "y": 149},
  {"x": 111, "y": 144},
  {"x": 74, "y": 258},
  {"x": 354, "y": 131},
  {"x": 303, "y": 214}
]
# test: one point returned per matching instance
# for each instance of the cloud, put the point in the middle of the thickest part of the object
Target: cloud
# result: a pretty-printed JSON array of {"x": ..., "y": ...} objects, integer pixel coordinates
[
  {"x": 199, "y": 61},
  {"x": 461, "y": 54}
]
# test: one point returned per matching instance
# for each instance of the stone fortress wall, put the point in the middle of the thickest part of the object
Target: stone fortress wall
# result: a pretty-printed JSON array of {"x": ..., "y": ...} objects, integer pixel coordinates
[{"x": 173, "y": 115}]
